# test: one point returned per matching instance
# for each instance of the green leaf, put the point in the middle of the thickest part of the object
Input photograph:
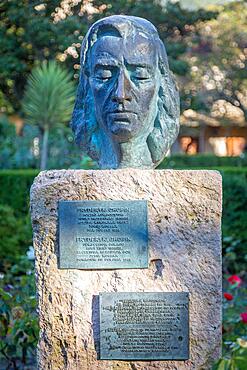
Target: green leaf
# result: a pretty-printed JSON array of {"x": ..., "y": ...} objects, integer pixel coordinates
[
  {"x": 49, "y": 96},
  {"x": 5, "y": 295},
  {"x": 223, "y": 364}
]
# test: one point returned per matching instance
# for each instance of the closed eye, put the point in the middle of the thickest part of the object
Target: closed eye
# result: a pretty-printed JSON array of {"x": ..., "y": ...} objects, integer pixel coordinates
[
  {"x": 137, "y": 77},
  {"x": 104, "y": 75},
  {"x": 140, "y": 74},
  {"x": 140, "y": 78}
]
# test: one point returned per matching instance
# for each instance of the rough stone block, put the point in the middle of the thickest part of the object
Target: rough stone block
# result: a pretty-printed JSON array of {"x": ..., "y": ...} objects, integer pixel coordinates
[{"x": 184, "y": 220}]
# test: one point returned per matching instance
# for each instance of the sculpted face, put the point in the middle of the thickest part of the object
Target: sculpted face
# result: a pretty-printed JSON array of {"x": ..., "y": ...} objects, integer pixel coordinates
[
  {"x": 124, "y": 79},
  {"x": 127, "y": 105}
]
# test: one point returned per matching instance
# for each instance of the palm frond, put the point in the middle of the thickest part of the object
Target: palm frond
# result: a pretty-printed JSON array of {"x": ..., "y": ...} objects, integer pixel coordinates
[{"x": 49, "y": 95}]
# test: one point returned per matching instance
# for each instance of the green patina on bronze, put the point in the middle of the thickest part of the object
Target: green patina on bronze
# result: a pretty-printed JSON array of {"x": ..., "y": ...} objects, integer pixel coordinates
[
  {"x": 127, "y": 107},
  {"x": 97, "y": 234},
  {"x": 144, "y": 326}
]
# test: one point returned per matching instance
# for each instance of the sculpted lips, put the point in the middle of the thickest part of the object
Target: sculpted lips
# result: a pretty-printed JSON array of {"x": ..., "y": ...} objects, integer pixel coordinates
[{"x": 122, "y": 116}]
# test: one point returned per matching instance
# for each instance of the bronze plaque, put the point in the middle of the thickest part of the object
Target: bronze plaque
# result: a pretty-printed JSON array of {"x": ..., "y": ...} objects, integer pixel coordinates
[
  {"x": 144, "y": 326},
  {"x": 103, "y": 234}
]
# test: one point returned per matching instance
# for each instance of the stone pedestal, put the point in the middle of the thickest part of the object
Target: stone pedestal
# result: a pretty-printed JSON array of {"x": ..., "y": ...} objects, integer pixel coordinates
[{"x": 184, "y": 217}]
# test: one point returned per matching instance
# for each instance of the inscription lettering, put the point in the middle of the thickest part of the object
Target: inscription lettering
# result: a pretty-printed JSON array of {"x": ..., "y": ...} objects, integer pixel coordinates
[
  {"x": 144, "y": 327},
  {"x": 103, "y": 219},
  {"x": 103, "y": 234}
]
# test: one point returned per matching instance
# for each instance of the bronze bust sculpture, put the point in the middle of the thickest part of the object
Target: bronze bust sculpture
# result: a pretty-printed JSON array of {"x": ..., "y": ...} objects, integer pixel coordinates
[{"x": 127, "y": 107}]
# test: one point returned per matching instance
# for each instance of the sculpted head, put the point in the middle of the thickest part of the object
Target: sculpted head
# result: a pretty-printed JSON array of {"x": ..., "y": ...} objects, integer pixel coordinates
[{"x": 127, "y": 107}]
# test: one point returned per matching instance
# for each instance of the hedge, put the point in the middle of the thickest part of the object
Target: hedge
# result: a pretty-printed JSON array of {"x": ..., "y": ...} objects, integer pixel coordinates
[
  {"x": 15, "y": 225},
  {"x": 16, "y": 236},
  {"x": 14, "y": 194},
  {"x": 14, "y": 189},
  {"x": 202, "y": 160},
  {"x": 15, "y": 184}
]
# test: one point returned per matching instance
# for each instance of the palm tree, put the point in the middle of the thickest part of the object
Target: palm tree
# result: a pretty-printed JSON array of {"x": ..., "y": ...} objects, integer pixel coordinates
[{"x": 48, "y": 100}]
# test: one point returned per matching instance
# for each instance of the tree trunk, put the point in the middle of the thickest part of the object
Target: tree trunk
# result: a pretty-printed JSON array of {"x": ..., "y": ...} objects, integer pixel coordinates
[{"x": 44, "y": 151}]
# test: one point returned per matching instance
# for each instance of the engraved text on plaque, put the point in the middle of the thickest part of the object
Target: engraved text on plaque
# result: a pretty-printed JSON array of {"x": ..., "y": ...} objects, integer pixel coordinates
[
  {"x": 103, "y": 234},
  {"x": 144, "y": 326}
]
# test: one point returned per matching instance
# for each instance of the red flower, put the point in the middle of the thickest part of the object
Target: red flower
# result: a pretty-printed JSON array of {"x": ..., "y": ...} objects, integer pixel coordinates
[
  {"x": 244, "y": 317},
  {"x": 228, "y": 296},
  {"x": 234, "y": 280}
]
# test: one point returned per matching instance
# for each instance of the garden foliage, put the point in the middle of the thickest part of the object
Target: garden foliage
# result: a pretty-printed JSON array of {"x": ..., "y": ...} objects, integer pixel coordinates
[
  {"x": 16, "y": 286},
  {"x": 234, "y": 220},
  {"x": 18, "y": 318},
  {"x": 14, "y": 193},
  {"x": 16, "y": 236},
  {"x": 205, "y": 51},
  {"x": 54, "y": 29},
  {"x": 48, "y": 101},
  {"x": 14, "y": 189},
  {"x": 203, "y": 160},
  {"x": 234, "y": 356},
  {"x": 23, "y": 151}
]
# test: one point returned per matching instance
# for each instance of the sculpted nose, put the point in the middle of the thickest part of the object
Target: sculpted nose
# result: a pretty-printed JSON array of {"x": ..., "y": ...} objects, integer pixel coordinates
[{"x": 122, "y": 89}]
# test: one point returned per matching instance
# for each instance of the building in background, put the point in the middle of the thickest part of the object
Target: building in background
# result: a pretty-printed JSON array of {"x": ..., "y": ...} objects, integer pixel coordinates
[{"x": 223, "y": 132}]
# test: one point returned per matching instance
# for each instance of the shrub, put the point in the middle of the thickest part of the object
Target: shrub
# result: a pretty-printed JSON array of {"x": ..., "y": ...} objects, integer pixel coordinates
[
  {"x": 64, "y": 153},
  {"x": 7, "y": 142},
  {"x": 202, "y": 160},
  {"x": 15, "y": 224},
  {"x": 16, "y": 151},
  {"x": 234, "y": 327},
  {"x": 23, "y": 152},
  {"x": 14, "y": 189},
  {"x": 234, "y": 222},
  {"x": 14, "y": 192},
  {"x": 18, "y": 318},
  {"x": 16, "y": 236},
  {"x": 234, "y": 217}
]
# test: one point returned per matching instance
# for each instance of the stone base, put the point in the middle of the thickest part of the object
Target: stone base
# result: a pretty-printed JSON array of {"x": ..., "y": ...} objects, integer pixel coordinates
[{"x": 185, "y": 255}]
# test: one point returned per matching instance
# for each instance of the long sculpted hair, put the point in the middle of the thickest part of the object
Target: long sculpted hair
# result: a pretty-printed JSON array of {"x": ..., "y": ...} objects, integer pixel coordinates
[{"x": 88, "y": 134}]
